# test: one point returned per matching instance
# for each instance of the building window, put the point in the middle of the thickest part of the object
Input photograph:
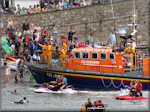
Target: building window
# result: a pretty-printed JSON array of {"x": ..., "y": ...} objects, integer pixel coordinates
[
  {"x": 103, "y": 56},
  {"x": 85, "y": 55},
  {"x": 111, "y": 56},
  {"x": 95, "y": 56},
  {"x": 77, "y": 55}
]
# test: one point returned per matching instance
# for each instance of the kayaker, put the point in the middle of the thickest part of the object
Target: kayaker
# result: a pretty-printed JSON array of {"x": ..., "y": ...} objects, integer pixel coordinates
[
  {"x": 138, "y": 88},
  {"x": 131, "y": 87}
]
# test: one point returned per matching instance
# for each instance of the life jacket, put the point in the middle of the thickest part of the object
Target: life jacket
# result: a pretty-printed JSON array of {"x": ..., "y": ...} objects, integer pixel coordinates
[
  {"x": 100, "y": 104},
  {"x": 83, "y": 109},
  {"x": 138, "y": 87},
  {"x": 58, "y": 81}
]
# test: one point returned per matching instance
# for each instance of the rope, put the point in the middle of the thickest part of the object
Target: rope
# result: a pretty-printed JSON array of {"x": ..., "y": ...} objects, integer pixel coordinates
[
  {"x": 122, "y": 83},
  {"x": 105, "y": 85},
  {"x": 115, "y": 85}
]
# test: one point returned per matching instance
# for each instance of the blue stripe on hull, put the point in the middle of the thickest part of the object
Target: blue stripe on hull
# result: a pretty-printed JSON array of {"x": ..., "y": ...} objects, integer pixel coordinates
[{"x": 42, "y": 77}]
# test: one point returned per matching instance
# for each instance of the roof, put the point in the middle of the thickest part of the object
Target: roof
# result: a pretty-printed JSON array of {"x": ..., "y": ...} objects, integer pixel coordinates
[{"x": 93, "y": 49}]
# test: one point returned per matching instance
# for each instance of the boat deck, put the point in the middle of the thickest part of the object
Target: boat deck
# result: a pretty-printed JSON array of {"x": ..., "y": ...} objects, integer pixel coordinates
[{"x": 132, "y": 74}]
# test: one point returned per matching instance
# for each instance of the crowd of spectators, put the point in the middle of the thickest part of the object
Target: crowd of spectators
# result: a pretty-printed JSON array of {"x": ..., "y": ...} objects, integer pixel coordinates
[
  {"x": 44, "y": 7},
  {"x": 27, "y": 38},
  {"x": 52, "y": 5},
  {"x": 33, "y": 34}
]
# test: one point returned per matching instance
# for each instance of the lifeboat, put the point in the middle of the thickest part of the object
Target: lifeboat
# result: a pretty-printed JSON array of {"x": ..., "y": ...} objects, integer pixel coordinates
[{"x": 96, "y": 59}]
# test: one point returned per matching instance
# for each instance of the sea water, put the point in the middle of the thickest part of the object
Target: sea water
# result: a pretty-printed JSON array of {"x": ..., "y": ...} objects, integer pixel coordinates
[{"x": 64, "y": 101}]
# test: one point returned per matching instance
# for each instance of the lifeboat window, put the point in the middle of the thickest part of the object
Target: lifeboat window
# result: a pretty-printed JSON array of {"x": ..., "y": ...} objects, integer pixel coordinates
[
  {"x": 103, "y": 56},
  {"x": 77, "y": 55},
  {"x": 111, "y": 56},
  {"x": 94, "y": 56},
  {"x": 85, "y": 55}
]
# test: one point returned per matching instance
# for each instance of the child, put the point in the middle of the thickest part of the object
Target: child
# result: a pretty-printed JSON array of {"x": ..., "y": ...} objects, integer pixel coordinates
[{"x": 83, "y": 108}]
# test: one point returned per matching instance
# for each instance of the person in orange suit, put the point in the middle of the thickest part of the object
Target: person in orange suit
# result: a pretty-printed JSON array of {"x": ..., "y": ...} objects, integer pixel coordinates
[
  {"x": 130, "y": 51},
  {"x": 65, "y": 46},
  {"x": 62, "y": 55},
  {"x": 49, "y": 55},
  {"x": 44, "y": 52}
]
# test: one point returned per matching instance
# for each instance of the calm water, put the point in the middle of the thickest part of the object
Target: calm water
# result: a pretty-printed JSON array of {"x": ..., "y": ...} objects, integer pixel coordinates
[{"x": 63, "y": 102}]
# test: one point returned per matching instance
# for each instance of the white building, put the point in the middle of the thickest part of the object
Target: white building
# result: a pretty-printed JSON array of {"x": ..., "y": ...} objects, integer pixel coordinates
[{"x": 23, "y": 3}]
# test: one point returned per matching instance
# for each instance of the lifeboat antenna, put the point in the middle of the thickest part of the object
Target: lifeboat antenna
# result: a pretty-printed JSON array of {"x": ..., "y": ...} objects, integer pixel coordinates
[
  {"x": 113, "y": 12},
  {"x": 134, "y": 20}
]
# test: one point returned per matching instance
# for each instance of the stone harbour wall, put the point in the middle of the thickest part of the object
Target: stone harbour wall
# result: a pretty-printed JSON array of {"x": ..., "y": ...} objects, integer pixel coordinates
[{"x": 96, "y": 18}]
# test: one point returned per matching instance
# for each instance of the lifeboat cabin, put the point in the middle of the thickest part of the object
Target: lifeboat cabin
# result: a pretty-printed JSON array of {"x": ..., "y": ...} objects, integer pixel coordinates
[{"x": 96, "y": 59}]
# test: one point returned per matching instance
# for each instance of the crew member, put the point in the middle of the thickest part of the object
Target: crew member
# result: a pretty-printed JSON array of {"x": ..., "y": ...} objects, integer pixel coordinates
[
  {"x": 44, "y": 51},
  {"x": 49, "y": 55},
  {"x": 130, "y": 51},
  {"x": 138, "y": 88},
  {"x": 61, "y": 56},
  {"x": 65, "y": 46}
]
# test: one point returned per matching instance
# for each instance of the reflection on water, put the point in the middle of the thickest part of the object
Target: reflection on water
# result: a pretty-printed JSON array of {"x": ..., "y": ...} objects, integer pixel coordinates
[{"x": 65, "y": 102}]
